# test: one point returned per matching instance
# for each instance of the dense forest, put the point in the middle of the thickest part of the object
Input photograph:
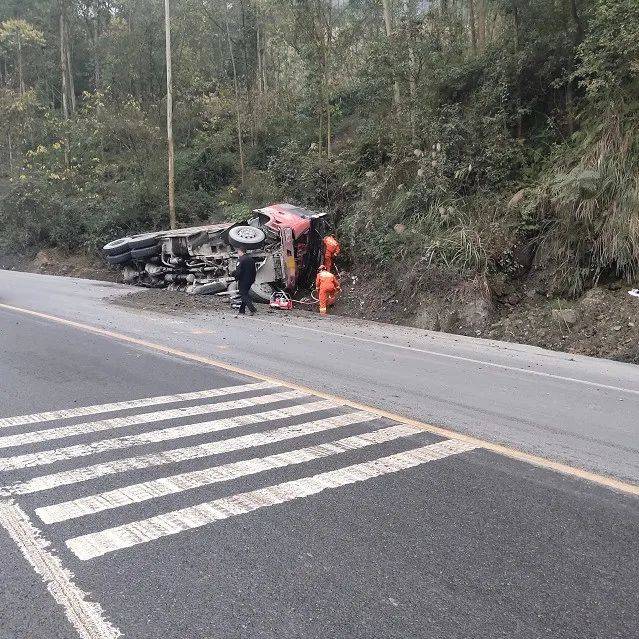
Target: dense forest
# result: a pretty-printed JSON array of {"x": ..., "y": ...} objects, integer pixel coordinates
[{"x": 455, "y": 136}]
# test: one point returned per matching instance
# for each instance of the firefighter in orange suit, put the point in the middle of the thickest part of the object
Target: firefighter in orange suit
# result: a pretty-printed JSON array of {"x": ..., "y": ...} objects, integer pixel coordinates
[
  {"x": 327, "y": 288},
  {"x": 331, "y": 250}
]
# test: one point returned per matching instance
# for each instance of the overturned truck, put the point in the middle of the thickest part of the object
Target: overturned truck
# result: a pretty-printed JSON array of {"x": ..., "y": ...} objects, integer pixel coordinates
[{"x": 285, "y": 240}]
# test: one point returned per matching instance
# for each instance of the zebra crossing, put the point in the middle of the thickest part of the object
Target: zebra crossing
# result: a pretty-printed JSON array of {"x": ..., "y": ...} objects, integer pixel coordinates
[{"x": 83, "y": 467}]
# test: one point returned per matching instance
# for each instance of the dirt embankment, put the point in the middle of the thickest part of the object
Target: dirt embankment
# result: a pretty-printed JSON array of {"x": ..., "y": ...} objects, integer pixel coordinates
[
  {"x": 55, "y": 262},
  {"x": 602, "y": 323}
]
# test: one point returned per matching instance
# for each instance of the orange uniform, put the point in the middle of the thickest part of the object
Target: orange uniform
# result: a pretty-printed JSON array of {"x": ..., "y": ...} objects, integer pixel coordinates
[
  {"x": 327, "y": 286},
  {"x": 331, "y": 250}
]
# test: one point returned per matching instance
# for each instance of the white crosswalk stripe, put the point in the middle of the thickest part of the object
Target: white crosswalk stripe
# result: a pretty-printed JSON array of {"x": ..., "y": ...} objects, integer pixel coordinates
[
  {"x": 100, "y": 543},
  {"x": 372, "y": 434},
  {"x": 89, "y": 473},
  {"x": 196, "y": 479},
  {"x": 46, "y": 457},
  {"x": 85, "y": 411},
  {"x": 87, "y": 428}
]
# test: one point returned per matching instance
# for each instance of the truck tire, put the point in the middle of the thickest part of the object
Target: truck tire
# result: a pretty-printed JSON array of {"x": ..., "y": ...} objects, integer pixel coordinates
[
  {"x": 262, "y": 292},
  {"x": 144, "y": 253},
  {"x": 144, "y": 240},
  {"x": 210, "y": 288},
  {"x": 246, "y": 237},
  {"x": 120, "y": 258},
  {"x": 117, "y": 247}
]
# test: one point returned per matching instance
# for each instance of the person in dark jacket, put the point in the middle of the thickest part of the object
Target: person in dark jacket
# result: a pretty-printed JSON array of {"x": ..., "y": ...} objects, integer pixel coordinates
[{"x": 245, "y": 276}]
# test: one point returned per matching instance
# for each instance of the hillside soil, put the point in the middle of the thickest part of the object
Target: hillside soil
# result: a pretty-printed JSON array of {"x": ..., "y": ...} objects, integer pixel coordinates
[
  {"x": 604, "y": 322},
  {"x": 55, "y": 262}
]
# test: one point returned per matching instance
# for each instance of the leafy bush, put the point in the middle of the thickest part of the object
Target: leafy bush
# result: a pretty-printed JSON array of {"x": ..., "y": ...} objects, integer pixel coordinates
[
  {"x": 85, "y": 181},
  {"x": 305, "y": 176},
  {"x": 589, "y": 202},
  {"x": 610, "y": 53}
]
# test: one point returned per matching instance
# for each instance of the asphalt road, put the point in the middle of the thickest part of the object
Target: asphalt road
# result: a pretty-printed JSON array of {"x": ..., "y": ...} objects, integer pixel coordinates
[
  {"x": 573, "y": 409},
  {"x": 294, "y": 517}
]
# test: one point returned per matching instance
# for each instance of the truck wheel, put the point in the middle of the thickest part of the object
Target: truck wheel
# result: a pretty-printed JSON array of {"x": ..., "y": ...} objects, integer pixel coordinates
[
  {"x": 246, "y": 237},
  {"x": 210, "y": 288},
  {"x": 262, "y": 292},
  {"x": 144, "y": 240},
  {"x": 143, "y": 253},
  {"x": 117, "y": 247},
  {"x": 120, "y": 258}
]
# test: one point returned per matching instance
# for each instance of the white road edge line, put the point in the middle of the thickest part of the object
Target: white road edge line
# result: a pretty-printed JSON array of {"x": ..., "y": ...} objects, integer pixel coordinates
[
  {"x": 459, "y": 358},
  {"x": 87, "y": 473},
  {"x": 87, "y": 428},
  {"x": 156, "y": 488},
  {"x": 84, "y": 411},
  {"x": 106, "y": 541},
  {"x": 86, "y": 617}
]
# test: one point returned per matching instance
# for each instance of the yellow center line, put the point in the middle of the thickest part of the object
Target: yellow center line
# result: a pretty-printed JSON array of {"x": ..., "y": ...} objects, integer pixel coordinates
[{"x": 512, "y": 453}]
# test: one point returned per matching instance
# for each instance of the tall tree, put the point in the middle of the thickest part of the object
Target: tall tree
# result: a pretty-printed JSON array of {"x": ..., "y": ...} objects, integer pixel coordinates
[
  {"x": 17, "y": 35},
  {"x": 236, "y": 89},
  {"x": 169, "y": 115},
  {"x": 473, "y": 25},
  {"x": 66, "y": 68},
  {"x": 409, "y": 16},
  {"x": 481, "y": 25},
  {"x": 388, "y": 24}
]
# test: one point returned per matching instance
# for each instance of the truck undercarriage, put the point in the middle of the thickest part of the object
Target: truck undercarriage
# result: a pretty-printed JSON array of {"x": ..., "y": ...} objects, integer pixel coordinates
[{"x": 285, "y": 240}]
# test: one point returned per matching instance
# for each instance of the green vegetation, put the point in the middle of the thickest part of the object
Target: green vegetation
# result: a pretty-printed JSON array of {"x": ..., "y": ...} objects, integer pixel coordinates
[{"x": 413, "y": 123}]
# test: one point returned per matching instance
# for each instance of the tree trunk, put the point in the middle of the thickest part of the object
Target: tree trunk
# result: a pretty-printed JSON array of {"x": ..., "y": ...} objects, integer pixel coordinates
[
  {"x": 150, "y": 87},
  {"x": 520, "y": 123},
  {"x": 481, "y": 24},
  {"x": 219, "y": 40},
  {"x": 240, "y": 147},
  {"x": 264, "y": 43},
  {"x": 70, "y": 70},
  {"x": 579, "y": 33},
  {"x": 68, "y": 88},
  {"x": 97, "y": 67},
  {"x": 261, "y": 58},
  {"x": 388, "y": 23},
  {"x": 329, "y": 132},
  {"x": 327, "y": 79},
  {"x": 63, "y": 67},
  {"x": 169, "y": 114},
  {"x": 21, "y": 89},
  {"x": 260, "y": 87},
  {"x": 412, "y": 83},
  {"x": 473, "y": 26},
  {"x": 248, "y": 77},
  {"x": 569, "y": 109},
  {"x": 10, "y": 152},
  {"x": 496, "y": 22},
  {"x": 65, "y": 85}
]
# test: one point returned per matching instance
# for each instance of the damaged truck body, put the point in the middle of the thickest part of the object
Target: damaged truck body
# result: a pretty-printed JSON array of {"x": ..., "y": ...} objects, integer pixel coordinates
[{"x": 285, "y": 240}]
